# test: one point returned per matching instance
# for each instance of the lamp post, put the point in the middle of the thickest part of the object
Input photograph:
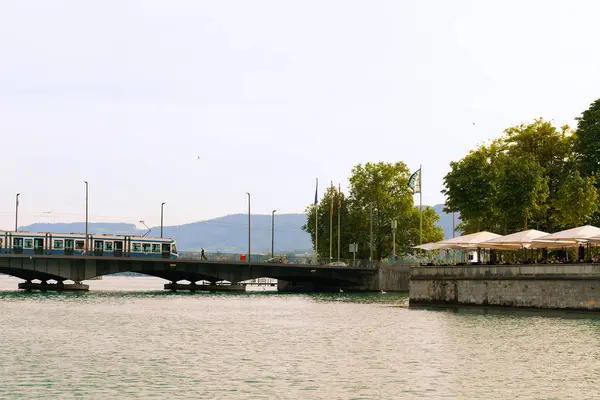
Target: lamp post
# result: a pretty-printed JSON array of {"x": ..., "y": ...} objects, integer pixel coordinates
[
  {"x": 273, "y": 233},
  {"x": 453, "y": 231},
  {"x": 86, "y": 217},
  {"x": 162, "y": 206},
  {"x": 394, "y": 226},
  {"x": 371, "y": 236},
  {"x": 17, "y": 212},
  {"x": 249, "y": 252}
]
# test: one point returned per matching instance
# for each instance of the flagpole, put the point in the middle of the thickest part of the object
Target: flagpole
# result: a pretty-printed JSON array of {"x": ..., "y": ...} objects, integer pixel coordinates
[
  {"x": 420, "y": 205},
  {"x": 316, "y": 223},
  {"x": 331, "y": 224},
  {"x": 339, "y": 219}
]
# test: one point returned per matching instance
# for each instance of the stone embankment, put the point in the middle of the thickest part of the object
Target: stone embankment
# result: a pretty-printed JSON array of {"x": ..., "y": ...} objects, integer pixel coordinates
[{"x": 549, "y": 286}]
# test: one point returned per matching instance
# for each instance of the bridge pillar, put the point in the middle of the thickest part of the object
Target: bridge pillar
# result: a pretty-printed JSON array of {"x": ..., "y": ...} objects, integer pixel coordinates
[
  {"x": 193, "y": 287},
  {"x": 55, "y": 287}
]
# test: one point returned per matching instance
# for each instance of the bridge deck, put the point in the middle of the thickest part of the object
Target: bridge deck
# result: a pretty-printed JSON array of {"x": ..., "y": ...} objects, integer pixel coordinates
[{"x": 80, "y": 268}]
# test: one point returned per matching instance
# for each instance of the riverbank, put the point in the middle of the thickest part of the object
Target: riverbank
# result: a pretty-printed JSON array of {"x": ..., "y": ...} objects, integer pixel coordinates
[{"x": 549, "y": 286}]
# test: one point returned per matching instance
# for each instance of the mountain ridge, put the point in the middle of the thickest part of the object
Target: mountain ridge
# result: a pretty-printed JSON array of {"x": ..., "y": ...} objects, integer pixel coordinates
[{"x": 225, "y": 234}]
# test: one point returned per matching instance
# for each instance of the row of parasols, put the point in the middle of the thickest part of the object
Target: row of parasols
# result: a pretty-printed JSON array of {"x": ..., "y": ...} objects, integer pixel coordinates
[{"x": 529, "y": 239}]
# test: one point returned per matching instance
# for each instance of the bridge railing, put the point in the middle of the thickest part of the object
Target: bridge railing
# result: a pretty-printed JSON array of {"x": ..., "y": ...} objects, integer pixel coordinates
[{"x": 302, "y": 260}]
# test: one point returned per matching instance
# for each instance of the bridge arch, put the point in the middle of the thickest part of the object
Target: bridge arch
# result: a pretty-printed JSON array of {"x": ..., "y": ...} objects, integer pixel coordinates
[{"x": 31, "y": 275}]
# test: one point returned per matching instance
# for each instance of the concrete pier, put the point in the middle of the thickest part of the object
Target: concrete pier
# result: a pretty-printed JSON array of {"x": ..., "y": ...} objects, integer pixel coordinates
[
  {"x": 204, "y": 288},
  {"x": 55, "y": 287},
  {"x": 547, "y": 286}
]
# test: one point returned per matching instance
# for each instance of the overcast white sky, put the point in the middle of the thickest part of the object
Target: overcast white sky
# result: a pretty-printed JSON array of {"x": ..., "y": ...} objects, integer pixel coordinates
[{"x": 270, "y": 95}]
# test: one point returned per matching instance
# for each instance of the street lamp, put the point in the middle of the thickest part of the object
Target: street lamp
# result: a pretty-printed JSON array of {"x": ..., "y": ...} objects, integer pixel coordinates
[
  {"x": 394, "y": 226},
  {"x": 249, "y": 252},
  {"x": 17, "y": 212},
  {"x": 371, "y": 236},
  {"x": 273, "y": 233},
  {"x": 162, "y": 206},
  {"x": 86, "y": 217}
]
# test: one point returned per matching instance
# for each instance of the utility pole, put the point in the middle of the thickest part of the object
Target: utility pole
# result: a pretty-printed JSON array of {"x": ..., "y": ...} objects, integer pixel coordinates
[
  {"x": 453, "y": 231},
  {"x": 394, "y": 226},
  {"x": 162, "y": 206},
  {"x": 371, "y": 236},
  {"x": 86, "y": 218},
  {"x": 331, "y": 223},
  {"x": 273, "y": 234},
  {"x": 249, "y": 252},
  {"x": 17, "y": 212},
  {"x": 339, "y": 220}
]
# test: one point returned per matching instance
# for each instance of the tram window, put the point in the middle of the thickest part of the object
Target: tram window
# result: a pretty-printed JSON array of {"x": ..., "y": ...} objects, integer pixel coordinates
[
  {"x": 146, "y": 247},
  {"x": 98, "y": 244},
  {"x": 78, "y": 244},
  {"x": 174, "y": 249},
  {"x": 18, "y": 242},
  {"x": 108, "y": 246},
  {"x": 69, "y": 244},
  {"x": 58, "y": 244},
  {"x": 156, "y": 248},
  {"x": 28, "y": 243},
  {"x": 136, "y": 247},
  {"x": 166, "y": 248}
]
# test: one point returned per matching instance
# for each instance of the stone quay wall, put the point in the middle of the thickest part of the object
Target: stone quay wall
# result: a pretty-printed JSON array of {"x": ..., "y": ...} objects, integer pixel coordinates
[{"x": 549, "y": 286}]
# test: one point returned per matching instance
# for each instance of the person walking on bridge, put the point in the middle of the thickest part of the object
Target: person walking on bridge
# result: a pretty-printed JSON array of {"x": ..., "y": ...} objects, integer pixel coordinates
[{"x": 202, "y": 256}]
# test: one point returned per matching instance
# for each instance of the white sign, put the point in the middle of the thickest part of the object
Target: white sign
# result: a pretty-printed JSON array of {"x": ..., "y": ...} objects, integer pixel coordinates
[{"x": 353, "y": 248}]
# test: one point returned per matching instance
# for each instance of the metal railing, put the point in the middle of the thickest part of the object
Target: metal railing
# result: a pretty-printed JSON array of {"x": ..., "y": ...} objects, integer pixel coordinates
[{"x": 283, "y": 259}]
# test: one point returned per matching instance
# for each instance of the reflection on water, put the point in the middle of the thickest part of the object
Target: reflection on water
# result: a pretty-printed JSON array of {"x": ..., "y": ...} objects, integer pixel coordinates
[{"x": 127, "y": 338}]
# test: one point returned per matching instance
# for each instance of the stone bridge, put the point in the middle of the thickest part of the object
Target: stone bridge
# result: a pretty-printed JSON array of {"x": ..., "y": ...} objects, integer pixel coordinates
[{"x": 291, "y": 277}]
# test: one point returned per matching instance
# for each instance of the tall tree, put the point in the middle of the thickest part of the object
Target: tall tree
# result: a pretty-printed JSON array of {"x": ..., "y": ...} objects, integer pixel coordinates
[
  {"x": 379, "y": 193},
  {"x": 587, "y": 140},
  {"x": 527, "y": 175},
  {"x": 587, "y": 147},
  {"x": 576, "y": 201},
  {"x": 323, "y": 224},
  {"x": 522, "y": 191},
  {"x": 471, "y": 189}
]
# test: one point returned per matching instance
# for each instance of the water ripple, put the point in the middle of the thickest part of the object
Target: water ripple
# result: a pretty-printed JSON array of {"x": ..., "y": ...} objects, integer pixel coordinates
[{"x": 123, "y": 341}]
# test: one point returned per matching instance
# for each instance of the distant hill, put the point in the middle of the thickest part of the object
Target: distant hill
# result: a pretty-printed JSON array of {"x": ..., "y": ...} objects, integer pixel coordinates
[
  {"x": 226, "y": 234},
  {"x": 445, "y": 221}
]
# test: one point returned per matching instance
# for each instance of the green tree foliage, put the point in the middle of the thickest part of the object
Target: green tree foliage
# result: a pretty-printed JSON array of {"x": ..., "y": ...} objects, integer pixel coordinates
[
  {"x": 471, "y": 188},
  {"x": 576, "y": 201},
  {"x": 323, "y": 224},
  {"x": 524, "y": 179},
  {"x": 587, "y": 146},
  {"x": 379, "y": 193},
  {"x": 587, "y": 140},
  {"x": 522, "y": 191}
]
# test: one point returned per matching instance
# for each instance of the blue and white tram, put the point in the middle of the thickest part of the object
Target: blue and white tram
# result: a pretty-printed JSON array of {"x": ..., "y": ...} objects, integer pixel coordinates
[{"x": 74, "y": 244}]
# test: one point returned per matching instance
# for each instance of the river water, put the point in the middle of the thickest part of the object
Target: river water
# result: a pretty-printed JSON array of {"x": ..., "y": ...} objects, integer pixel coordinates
[{"x": 128, "y": 339}]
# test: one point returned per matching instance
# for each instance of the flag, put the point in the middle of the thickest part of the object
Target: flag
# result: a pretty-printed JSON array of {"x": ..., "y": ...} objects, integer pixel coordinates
[
  {"x": 317, "y": 192},
  {"x": 414, "y": 182}
]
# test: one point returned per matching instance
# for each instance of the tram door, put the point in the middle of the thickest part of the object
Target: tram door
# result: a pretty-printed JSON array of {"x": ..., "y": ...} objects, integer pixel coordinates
[
  {"x": 69, "y": 245},
  {"x": 38, "y": 245},
  {"x": 166, "y": 250},
  {"x": 118, "y": 249},
  {"x": 98, "y": 247}
]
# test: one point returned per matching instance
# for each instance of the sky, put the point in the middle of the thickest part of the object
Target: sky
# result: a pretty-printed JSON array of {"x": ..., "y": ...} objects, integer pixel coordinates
[{"x": 194, "y": 103}]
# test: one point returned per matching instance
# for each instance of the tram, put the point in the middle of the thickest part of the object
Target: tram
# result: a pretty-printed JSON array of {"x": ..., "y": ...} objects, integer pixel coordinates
[{"x": 103, "y": 245}]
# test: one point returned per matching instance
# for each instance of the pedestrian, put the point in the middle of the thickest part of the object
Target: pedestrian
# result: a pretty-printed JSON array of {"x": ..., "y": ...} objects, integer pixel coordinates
[{"x": 202, "y": 256}]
